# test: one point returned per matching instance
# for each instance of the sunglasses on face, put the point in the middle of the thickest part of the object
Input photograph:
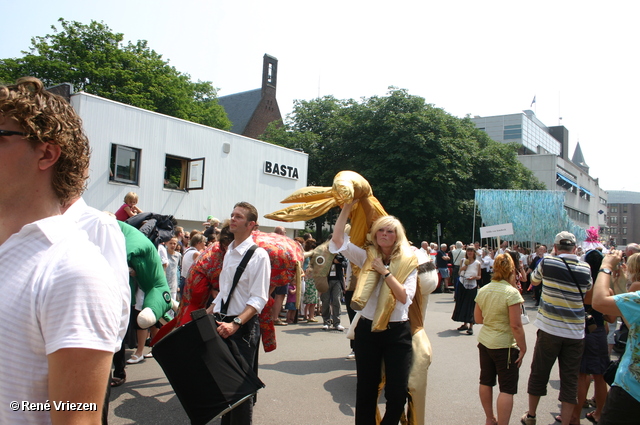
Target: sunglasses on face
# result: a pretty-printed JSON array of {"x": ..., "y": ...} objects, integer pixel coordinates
[{"x": 7, "y": 133}]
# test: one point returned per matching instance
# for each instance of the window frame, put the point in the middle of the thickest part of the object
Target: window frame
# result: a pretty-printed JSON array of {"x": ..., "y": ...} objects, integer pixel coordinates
[
  {"x": 113, "y": 161},
  {"x": 189, "y": 173}
]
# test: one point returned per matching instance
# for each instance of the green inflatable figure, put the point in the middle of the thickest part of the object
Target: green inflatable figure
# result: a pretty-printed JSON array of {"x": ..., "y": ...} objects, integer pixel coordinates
[{"x": 142, "y": 256}]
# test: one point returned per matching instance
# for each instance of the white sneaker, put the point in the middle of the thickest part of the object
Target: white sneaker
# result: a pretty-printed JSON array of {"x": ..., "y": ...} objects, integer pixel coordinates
[
  {"x": 325, "y": 327},
  {"x": 338, "y": 328},
  {"x": 352, "y": 355}
]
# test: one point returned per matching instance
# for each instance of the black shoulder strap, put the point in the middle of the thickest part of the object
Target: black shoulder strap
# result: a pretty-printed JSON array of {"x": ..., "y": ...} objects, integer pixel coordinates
[
  {"x": 236, "y": 277},
  {"x": 455, "y": 261},
  {"x": 573, "y": 277}
]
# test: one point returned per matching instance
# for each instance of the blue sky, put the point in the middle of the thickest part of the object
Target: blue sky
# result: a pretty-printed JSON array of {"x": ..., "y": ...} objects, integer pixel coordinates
[{"x": 468, "y": 57}]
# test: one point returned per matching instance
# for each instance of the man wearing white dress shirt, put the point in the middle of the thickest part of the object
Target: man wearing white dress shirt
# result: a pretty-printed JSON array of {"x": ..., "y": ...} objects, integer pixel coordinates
[{"x": 248, "y": 299}]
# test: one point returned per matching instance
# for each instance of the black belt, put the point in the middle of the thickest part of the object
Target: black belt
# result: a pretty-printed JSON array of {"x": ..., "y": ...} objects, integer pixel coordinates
[
  {"x": 229, "y": 319},
  {"x": 390, "y": 325},
  {"x": 226, "y": 319}
]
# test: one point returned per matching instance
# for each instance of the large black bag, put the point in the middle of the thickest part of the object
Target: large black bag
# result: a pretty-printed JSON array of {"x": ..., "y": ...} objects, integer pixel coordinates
[
  {"x": 207, "y": 372},
  {"x": 158, "y": 228}
]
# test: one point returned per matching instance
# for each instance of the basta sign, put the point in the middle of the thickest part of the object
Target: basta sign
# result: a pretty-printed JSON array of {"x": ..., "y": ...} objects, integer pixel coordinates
[{"x": 280, "y": 170}]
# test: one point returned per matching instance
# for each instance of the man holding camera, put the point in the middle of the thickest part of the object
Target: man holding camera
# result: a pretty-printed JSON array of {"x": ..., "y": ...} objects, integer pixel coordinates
[
  {"x": 331, "y": 298},
  {"x": 566, "y": 287}
]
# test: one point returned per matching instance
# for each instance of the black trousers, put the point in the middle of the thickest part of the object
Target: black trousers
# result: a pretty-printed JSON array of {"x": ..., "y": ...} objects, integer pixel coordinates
[
  {"x": 486, "y": 277},
  {"x": 393, "y": 346},
  {"x": 620, "y": 408},
  {"x": 247, "y": 339},
  {"x": 351, "y": 312}
]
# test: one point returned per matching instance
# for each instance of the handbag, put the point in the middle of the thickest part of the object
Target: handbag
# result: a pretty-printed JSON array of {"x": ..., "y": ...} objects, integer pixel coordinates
[
  {"x": 523, "y": 315},
  {"x": 609, "y": 374},
  {"x": 206, "y": 372}
]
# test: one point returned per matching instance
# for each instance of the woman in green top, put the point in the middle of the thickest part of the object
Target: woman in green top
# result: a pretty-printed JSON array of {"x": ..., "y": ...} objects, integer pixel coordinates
[{"x": 501, "y": 340}]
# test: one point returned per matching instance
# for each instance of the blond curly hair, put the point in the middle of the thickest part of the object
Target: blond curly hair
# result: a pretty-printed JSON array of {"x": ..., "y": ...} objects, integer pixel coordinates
[{"x": 49, "y": 118}]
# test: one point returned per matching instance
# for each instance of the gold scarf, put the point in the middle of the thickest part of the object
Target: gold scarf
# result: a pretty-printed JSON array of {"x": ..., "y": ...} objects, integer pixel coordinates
[{"x": 401, "y": 267}]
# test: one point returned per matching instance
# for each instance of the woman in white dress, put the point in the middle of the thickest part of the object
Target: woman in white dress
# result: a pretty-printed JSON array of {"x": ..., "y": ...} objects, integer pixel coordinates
[{"x": 465, "y": 300}]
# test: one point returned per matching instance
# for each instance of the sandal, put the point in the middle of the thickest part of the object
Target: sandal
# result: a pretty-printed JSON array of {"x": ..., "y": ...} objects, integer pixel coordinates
[
  {"x": 116, "y": 382},
  {"x": 135, "y": 359},
  {"x": 559, "y": 419},
  {"x": 279, "y": 322},
  {"x": 463, "y": 328},
  {"x": 312, "y": 320},
  {"x": 591, "y": 418}
]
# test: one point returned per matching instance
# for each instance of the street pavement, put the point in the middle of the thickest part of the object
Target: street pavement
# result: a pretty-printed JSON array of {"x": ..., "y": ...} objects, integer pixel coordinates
[{"x": 309, "y": 381}]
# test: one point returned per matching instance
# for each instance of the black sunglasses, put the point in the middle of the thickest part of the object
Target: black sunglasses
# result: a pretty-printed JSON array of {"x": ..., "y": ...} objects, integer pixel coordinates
[{"x": 8, "y": 133}]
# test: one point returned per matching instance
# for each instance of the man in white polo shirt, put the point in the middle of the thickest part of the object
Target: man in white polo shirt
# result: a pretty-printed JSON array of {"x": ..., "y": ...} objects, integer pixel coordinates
[{"x": 61, "y": 310}]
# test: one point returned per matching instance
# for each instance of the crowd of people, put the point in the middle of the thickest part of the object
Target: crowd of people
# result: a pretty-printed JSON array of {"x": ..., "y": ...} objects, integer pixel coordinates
[
  {"x": 90, "y": 278},
  {"x": 571, "y": 324}
]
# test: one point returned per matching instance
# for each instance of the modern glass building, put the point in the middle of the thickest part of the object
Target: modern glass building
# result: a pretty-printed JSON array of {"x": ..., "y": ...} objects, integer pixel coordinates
[
  {"x": 544, "y": 151},
  {"x": 524, "y": 129}
]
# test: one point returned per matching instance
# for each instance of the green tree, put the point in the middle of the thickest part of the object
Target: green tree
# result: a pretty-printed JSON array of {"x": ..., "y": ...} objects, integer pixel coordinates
[
  {"x": 422, "y": 162},
  {"x": 95, "y": 60},
  {"x": 317, "y": 128}
]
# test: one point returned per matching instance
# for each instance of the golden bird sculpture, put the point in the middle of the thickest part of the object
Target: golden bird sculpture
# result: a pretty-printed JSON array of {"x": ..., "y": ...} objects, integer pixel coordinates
[{"x": 349, "y": 186}]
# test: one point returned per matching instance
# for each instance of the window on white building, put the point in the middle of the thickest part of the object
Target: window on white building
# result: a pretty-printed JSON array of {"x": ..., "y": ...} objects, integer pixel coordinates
[
  {"x": 183, "y": 173},
  {"x": 124, "y": 164}
]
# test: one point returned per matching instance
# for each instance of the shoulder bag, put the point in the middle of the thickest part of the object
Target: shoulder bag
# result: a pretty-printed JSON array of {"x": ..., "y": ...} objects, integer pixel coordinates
[{"x": 207, "y": 373}]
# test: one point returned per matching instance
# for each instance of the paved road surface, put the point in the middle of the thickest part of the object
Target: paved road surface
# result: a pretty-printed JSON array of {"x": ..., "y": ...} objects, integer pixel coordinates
[{"x": 309, "y": 381}]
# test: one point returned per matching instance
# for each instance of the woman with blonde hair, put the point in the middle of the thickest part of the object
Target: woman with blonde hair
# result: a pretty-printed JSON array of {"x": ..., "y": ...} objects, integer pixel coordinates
[
  {"x": 469, "y": 275},
  {"x": 501, "y": 340},
  {"x": 387, "y": 284}
]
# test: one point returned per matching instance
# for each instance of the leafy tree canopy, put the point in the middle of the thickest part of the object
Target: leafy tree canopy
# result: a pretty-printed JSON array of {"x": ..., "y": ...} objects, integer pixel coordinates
[
  {"x": 422, "y": 162},
  {"x": 95, "y": 60}
]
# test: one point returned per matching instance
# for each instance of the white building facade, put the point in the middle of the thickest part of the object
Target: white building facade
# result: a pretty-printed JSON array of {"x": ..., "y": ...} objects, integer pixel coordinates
[
  {"x": 181, "y": 168},
  {"x": 544, "y": 151}
]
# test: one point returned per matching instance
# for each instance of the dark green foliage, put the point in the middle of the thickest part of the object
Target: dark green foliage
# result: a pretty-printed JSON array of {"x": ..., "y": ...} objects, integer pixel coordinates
[
  {"x": 422, "y": 162},
  {"x": 95, "y": 60}
]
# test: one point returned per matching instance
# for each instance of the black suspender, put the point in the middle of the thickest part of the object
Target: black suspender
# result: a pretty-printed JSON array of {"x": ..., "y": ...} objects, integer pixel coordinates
[{"x": 236, "y": 277}]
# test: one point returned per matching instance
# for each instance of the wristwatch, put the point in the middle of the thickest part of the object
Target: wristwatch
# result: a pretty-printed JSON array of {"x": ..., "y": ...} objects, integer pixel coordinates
[
  {"x": 605, "y": 270},
  {"x": 237, "y": 320}
]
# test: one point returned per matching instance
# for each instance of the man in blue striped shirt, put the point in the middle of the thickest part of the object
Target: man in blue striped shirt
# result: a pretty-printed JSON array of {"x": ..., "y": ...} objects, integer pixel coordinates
[{"x": 566, "y": 284}]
